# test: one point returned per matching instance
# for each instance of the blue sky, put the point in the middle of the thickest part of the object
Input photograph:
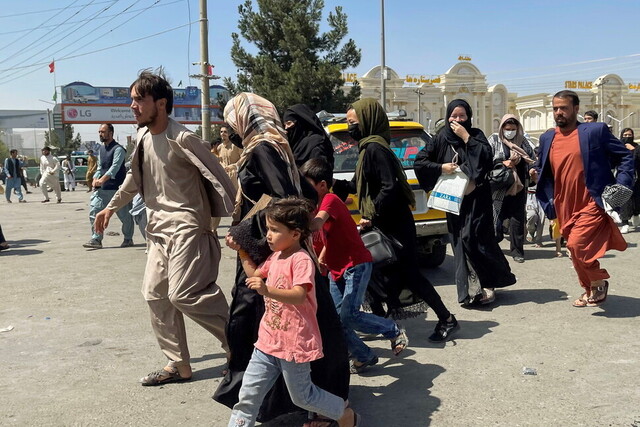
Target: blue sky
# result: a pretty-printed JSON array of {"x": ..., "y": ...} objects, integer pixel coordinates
[{"x": 530, "y": 47}]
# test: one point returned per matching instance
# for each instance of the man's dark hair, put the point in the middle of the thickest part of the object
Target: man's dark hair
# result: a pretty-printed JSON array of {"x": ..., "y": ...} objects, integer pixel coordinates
[
  {"x": 46, "y": 148},
  {"x": 592, "y": 114},
  {"x": 318, "y": 170},
  {"x": 90, "y": 152},
  {"x": 568, "y": 94},
  {"x": 13, "y": 151},
  {"x": 109, "y": 126},
  {"x": 155, "y": 85},
  {"x": 292, "y": 212}
]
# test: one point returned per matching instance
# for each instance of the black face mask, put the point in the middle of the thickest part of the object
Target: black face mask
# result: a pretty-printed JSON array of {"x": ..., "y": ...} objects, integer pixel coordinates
[
  {"x": 354, "y": 131},
  {"x": 627, "y": 139},
  {"x": 235, "y": 139}
]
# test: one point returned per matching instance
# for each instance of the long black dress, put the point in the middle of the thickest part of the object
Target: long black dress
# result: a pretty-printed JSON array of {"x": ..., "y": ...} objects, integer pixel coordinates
[
  {"x": 393, "y": 217},
  {"x": 265, "y": 173},
  {"x": 472, "y": 232}
]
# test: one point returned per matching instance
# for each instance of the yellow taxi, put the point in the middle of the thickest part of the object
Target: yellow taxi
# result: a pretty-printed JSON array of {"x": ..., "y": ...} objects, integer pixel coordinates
[{"x": 407, "y": 139}]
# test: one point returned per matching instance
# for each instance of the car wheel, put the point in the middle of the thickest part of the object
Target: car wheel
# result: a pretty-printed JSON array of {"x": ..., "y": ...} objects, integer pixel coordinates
[{"x": 434, "y": 257}]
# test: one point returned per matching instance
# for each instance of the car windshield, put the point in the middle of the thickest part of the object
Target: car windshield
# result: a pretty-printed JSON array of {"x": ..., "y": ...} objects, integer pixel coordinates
[{"x": 405, "y": 143}]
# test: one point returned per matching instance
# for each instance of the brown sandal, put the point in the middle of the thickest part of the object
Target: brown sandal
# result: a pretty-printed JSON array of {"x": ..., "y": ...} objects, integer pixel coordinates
[
  {"x": 582, "y": 301},
  {"x": 162, "y": 376},
  {"x": 598, "y": 295}
]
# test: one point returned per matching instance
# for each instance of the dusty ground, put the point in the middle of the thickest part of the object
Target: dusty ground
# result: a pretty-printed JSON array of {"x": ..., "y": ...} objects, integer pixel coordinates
[{"x": 81, "y": 339}]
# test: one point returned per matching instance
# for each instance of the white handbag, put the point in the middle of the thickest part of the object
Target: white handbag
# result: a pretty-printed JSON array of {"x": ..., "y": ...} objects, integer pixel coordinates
[{"x": 449, "y": 191}]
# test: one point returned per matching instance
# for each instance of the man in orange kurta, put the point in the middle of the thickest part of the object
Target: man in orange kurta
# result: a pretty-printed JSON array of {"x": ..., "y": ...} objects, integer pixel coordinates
[{"x": 575, "y": 166}]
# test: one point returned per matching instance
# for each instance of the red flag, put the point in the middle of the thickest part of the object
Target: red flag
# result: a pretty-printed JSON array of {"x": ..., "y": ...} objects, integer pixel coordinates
[
  {"x": 211, "y": 70},
  {"x": 52, "y": 66}
]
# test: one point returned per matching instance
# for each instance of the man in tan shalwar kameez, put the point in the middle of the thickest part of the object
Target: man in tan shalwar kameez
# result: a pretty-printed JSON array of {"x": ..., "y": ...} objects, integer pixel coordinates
[{"x": 183, "y": 186}]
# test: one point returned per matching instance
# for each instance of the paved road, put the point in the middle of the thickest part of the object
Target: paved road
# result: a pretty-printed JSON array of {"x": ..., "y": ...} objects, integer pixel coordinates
[{"x": 82, "y": 339}]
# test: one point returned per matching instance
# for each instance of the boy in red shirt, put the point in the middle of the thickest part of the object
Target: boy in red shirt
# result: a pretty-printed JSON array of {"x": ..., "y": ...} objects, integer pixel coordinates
[{"x": 349, "y": 264}]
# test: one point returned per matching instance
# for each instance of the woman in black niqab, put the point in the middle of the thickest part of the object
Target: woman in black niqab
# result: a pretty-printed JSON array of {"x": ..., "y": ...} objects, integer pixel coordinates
[
  {"x": 307, "y": 137},
  {"x": 476, "y": 252}
]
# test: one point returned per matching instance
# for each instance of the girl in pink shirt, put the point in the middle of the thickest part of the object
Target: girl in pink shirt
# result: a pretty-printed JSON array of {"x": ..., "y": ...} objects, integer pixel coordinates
[{"x": 288, "y": 336}]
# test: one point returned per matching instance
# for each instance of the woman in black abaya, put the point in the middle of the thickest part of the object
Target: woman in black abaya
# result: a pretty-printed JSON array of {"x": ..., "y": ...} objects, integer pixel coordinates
[
  {"x": 306, "y": 136},
  {"x": 267, "y": 167},
  {"x": 476, "y": 253}
]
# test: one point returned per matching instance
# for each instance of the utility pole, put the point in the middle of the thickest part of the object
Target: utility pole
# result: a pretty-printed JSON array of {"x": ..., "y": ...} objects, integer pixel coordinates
[
  {"x": 204, "y": 70},
  {"x": 383, "y": 68}
]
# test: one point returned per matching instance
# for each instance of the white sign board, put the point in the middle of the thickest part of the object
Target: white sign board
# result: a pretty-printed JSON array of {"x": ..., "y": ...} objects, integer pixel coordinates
[{"x": 97, "y": 114}]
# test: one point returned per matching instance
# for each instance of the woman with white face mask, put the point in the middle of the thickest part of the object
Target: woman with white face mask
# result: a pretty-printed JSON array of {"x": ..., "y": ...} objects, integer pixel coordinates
[{"x": 511, "y": 148}]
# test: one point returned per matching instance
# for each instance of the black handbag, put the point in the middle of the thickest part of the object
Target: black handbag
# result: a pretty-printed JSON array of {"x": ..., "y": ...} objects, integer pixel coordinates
[
  {"x": 500, "y": 177},
  {"x": 382, "y": 247},
  {"x": 616, "y": 195}
]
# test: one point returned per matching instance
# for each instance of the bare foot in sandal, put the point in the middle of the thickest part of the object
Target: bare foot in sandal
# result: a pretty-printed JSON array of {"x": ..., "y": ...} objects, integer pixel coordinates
[
  {"x": 582, "y": 301},
  {"x": 399, "y": 343}
]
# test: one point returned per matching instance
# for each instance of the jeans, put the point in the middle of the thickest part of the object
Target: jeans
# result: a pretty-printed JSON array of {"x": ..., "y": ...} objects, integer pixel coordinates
[
  {"x": 262, "y": 373},
  {"x": 348, "y": 295},
  {"x": 99, "y": 200}
]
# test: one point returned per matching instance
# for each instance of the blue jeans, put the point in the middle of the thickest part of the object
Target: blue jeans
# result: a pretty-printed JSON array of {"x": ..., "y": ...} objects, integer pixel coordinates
[
  {"x": 99, "y": 200},
  {"x": 348, "y": 295},
  {"x": 13, "y": 184},
  {"x": 262, "y": 373}
]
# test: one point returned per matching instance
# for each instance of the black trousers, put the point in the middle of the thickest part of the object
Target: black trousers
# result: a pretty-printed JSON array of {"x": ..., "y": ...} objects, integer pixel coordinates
[{"x": 514, "y": 208}]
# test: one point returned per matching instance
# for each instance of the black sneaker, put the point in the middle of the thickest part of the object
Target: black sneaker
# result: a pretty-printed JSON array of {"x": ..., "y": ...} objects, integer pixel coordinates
[
  {"x": 126, "y": 243},
  {"x": 93, "y": 244},
  {"x": 443, "y": 330}
]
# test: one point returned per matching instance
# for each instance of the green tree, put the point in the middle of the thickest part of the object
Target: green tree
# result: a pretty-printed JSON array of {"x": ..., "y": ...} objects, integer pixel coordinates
[
  {"x": 294, "y": 63},
  {"x": 70, "y": 143},
  {"x": 4, "y": 152}
]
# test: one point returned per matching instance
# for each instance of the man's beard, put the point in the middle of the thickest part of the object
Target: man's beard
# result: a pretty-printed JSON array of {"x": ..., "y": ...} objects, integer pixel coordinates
[{"x": 150, "y": 120}]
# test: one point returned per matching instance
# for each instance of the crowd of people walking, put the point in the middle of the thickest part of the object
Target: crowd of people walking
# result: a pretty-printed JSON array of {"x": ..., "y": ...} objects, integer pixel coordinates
[{"x": 290, "y": 329}]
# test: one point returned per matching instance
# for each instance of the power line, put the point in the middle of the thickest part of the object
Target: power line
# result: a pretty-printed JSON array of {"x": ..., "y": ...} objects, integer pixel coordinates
[
  {"x": 23, "y": 50},
  {"x": 546, "y": 67},
  {"x": 47, "y": 10},
  {"x": 40, "y": 26},
  {"x": 43, "y": 27},
  {"x": 97, "y": 51}
]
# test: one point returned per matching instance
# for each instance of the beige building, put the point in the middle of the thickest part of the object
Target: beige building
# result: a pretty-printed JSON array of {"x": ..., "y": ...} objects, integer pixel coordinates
[{"x": 425, "y": 98}]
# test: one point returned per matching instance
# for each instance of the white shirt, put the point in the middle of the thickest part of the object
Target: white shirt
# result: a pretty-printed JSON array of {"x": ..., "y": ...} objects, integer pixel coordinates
[{"x": 49, "y": 164}]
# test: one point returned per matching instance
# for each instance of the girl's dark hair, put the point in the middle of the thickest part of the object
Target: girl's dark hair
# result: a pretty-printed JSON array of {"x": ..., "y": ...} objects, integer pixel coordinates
[{"x": 293, "y": 212}]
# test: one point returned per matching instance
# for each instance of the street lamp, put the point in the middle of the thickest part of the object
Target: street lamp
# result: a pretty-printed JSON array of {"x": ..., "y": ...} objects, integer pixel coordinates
[
  {"x": 600, "y": 82},
  {"x": 619, "y": 122},
  {"x": 420, "y": 93}
]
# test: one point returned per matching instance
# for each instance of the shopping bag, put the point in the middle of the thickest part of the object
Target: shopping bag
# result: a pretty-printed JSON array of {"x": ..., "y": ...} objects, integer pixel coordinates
[{"x": 448, "y": 192}]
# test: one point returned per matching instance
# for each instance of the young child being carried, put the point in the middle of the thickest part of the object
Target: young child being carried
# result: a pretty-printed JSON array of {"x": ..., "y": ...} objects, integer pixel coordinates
[
  {"x": 288, "y": 336},
  {"x": 350, "y": 265}
]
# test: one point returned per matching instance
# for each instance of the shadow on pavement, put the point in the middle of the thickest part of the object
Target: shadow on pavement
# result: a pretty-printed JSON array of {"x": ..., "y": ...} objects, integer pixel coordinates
[
  {"x": 619, "y": 307},
  {"x": 210, "y": 372},
  {"x": 411, "y": 379},
  {"x": 521, "y": 296},
  {"x": 27, "y": 242},
  {"x": 20, "y": 252},
  {"x": 469, "y": 330}
]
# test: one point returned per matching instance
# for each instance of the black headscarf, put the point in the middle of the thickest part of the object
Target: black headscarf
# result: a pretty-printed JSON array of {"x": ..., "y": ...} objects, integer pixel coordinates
[
  {"x": 307, "y": 137},
  {"x": 447, "y": 132}
]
